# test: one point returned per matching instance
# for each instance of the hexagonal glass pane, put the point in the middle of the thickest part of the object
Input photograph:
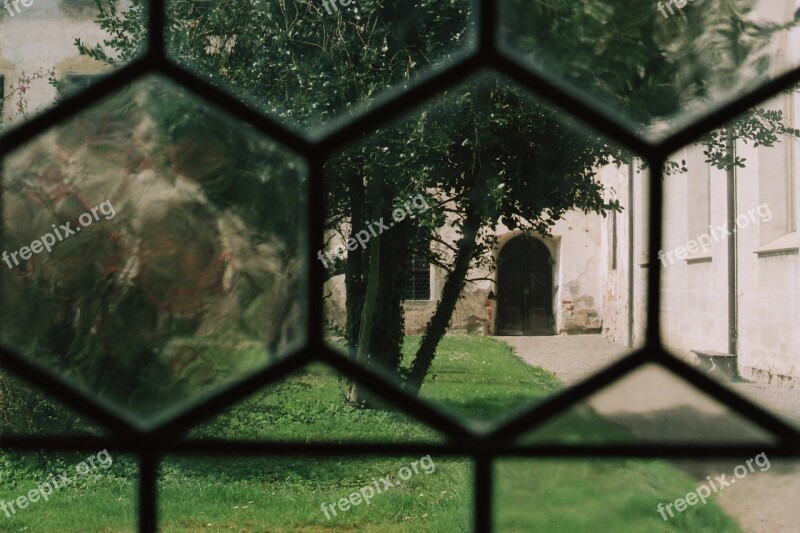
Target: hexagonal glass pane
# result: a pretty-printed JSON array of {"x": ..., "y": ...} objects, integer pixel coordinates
[
  {"x": 396, "y": 494},
  {"x": 310, "y": 62},
  {"x": 479, "y": 252},
  {"x": 153, "y": 249},
  {"x": 730, "y": 298},
  {"x": 307, "y": 406},
  {"x": 748, "y": 493},
  {"x": 68, "y": 492},
  {"x": 28, "y": 411},
  {"x": 656, "y": 64},
  {"x": 649, "y": 405},
  {"x": 49, "y": 49}
]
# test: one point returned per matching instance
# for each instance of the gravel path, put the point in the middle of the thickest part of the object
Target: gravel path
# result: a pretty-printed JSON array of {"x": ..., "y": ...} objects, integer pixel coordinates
[{"x": 658, "y": 407}]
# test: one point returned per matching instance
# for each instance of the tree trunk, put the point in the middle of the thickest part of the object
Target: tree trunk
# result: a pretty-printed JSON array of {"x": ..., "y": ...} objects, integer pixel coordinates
[
  {"x": 389, "y": 321},
  {"x": 354, "y": 395},
  {"x": 379, "y": 348},
  {"x": 451, "y": 292},
  {"x": 354, "y": 270}
]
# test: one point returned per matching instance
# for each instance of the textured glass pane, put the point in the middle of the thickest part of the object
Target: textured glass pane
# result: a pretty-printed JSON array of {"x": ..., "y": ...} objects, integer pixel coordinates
[
  {"x": 655, "y": 64},
  {"x": 79, "y": 492},
  {"x": 398, "y": 494},
  {"x": 751, "y": 493},
  {"x": 49, "y": 49},
  {"x": 153, "y": 249},
  {"x": 309, "y": 406},
  {"x": 28, "y": 411},
  {"x": 309, "y": 62},
  {"x": 730, "y": 259},
  {"x": 485, "y": 214},
  {"x": 649, "y": 404}
]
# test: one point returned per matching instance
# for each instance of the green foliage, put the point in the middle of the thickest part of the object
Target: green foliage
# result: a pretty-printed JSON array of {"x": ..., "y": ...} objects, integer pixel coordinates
[
  {"x": 628, "y": 55},
  {"x": 503, "y": 153},
  {"x": 291, "y": 58},
  {"x": 127, "y": 33},
  {"x": 27, "y": 412},
  {"x": 13, "y": 103},
  {"x": 20, "y": 472},
  {"x": 632, "y": 60},
  {"x": 762, "y": 127}
]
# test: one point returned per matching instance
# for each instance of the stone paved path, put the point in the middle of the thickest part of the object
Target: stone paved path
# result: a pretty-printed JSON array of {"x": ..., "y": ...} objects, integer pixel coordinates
[{"x": 656, "y": 406}]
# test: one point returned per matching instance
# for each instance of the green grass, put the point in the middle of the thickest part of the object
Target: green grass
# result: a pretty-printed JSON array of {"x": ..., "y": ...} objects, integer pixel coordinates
[
  {"x": 479, "y": 380},
  {"x": 594, "y": 495},
  {"x": 310, "y": 406}
]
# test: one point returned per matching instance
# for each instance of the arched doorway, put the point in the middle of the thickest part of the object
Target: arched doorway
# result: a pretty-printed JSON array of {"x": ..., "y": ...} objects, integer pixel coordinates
[{"x": 524, "y": 288}]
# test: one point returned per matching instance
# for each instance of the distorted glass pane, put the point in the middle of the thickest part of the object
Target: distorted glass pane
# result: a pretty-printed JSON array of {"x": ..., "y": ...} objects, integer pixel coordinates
[
  {"x": 751, "y": 493},
  {"x": 399, "y": 494},
  {"x": 92, "y": 492},
  {"x": 652, "y": 405},
  {"x": 310, "y": 406},
  {"x": 310, "y": 62},
  {"x": 153, "y": 249},
  {"x": 481, "y": 252},
  {"x": 655, "y": 64},
  {"x": 729, "y": 256},
  {"x": 28, "y": 411},
  {"x": 49, "y": 49}
]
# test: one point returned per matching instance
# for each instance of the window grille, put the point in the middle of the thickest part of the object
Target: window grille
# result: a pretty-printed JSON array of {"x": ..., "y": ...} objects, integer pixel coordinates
[{"x": 151, "y": 444}]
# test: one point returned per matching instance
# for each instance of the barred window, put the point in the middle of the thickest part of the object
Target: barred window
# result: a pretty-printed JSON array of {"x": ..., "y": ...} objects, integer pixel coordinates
[{"x": 418, "y": 286}]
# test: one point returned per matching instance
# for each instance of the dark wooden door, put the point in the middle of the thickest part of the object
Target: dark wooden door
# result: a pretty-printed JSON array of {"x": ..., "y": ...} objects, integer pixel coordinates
[{"x": 524, "y": 288}]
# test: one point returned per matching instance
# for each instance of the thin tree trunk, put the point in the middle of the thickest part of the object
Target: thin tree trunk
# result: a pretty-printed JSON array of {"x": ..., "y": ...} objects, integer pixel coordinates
[
  {"x": 451, "y": 292},
  {"x": 389, "y": 320},
  {"x": 355, "y": 395},
  {"x": 355, "y": 265}
]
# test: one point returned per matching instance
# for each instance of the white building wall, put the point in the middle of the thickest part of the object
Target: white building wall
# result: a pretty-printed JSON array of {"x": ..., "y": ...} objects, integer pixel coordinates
[
  {"x": 613, "y": 272},
  {"x": 769, "y": 302},
  {"x": 693, "y": 285},
  {"x": 769, "y": 265},
  {"x": 42, "y": 37},
  {"x": 694, "y": 290},
  {"x": 577, "y": 295},
  {"x": 626, "y": 284}
]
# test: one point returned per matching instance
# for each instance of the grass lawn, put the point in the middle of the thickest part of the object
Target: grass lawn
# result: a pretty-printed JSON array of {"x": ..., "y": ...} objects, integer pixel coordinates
[{"x": 476, "y": 378}]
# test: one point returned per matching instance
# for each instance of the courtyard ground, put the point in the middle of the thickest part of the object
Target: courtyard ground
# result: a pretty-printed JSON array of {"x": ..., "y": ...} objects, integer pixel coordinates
[
  {"x": 656, "y": 406},
  {"x": 477, "y": 379}
]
